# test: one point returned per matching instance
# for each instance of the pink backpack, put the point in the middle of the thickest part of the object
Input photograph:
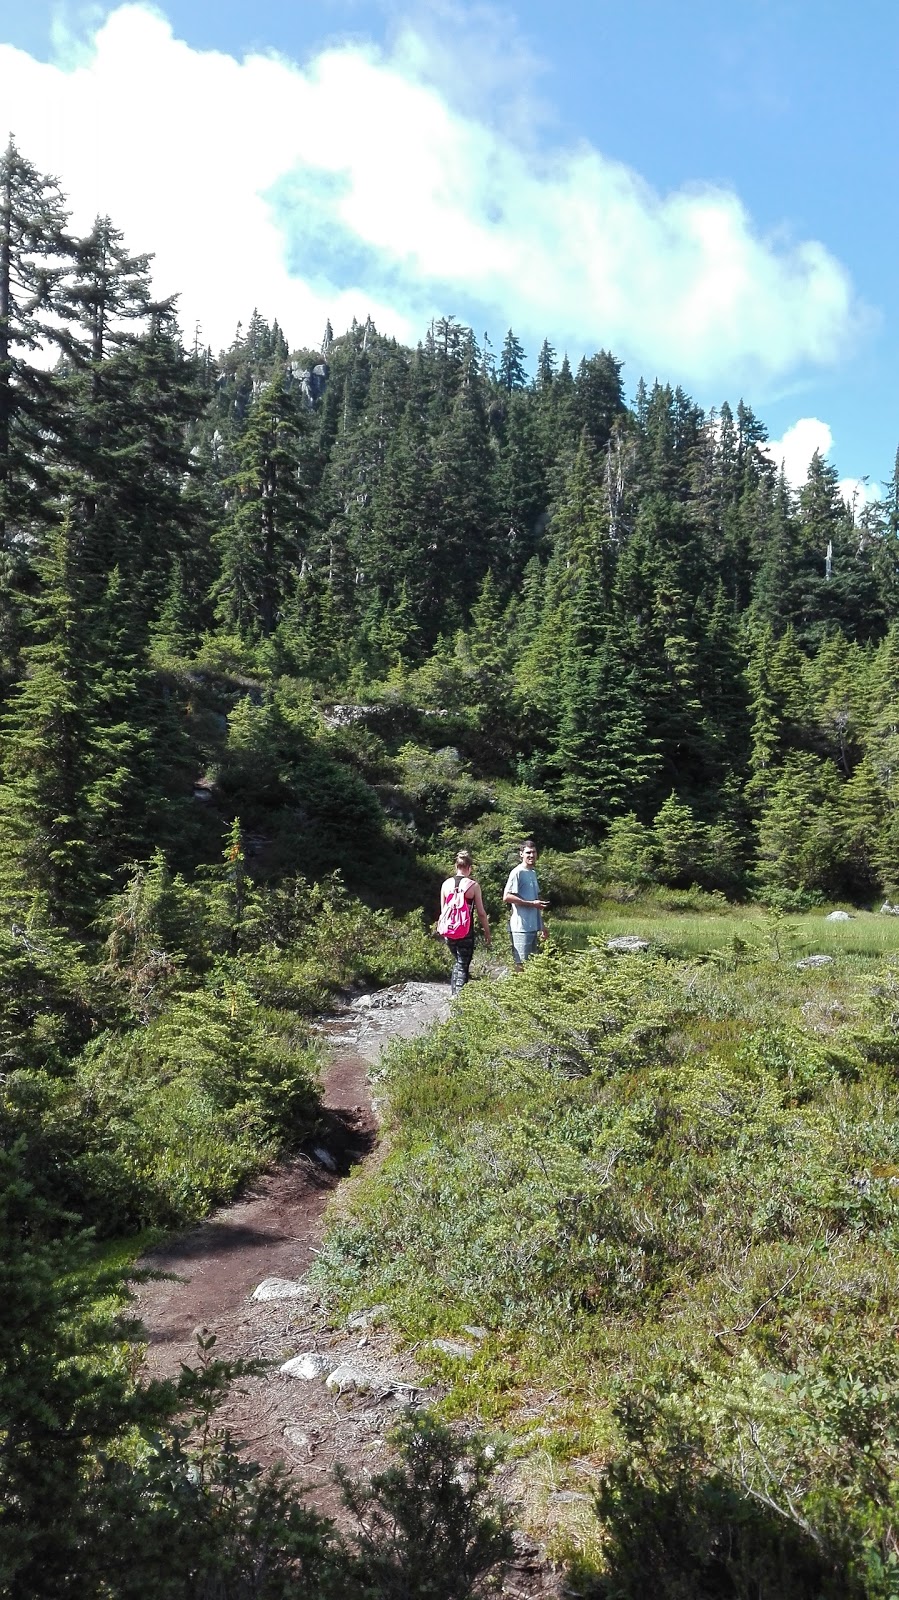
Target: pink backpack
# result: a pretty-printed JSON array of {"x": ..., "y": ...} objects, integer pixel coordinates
[{"x": 454, "y": 921}]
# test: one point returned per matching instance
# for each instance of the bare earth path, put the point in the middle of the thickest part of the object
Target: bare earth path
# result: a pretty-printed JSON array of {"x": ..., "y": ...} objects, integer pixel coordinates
[
  {"x": 274, "y": 1231},
  {"x": 276, "y": 1228}
]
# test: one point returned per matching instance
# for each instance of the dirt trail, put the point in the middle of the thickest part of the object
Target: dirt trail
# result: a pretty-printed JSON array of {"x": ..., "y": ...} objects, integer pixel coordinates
[{"x": 274, "y": 1231}]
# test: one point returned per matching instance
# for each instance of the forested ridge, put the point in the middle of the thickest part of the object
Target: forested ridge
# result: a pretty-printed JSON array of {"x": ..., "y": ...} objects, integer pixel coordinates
[
  {"x": 620, "y": 603},
  {"x": 279, "y": 628}
]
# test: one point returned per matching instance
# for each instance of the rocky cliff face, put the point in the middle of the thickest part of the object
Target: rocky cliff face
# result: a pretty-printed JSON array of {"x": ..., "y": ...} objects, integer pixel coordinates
[{"x": 312, "y": 380}]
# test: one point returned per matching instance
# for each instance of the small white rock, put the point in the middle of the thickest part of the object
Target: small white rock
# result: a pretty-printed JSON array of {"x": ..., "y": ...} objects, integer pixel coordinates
[
  {"x": 346, "y": 1376},
  {"x": 281, "y": 1289},
  {"x": 451, "y": 1347},
  {"x": 298, "y": 1438},
  {"x": 309, "y": 1365},
  {"x": 361, "y": 1321},
  {"x": 627, "y": 944},
  {"x": 838, "y": 916},
  {"x": 815, "y": 961}
]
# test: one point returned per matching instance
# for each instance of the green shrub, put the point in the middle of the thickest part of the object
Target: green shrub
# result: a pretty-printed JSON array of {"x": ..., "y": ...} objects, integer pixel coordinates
[
  {"x": 134, "y": 1492},
  {"x": 647, "y": 1190}
]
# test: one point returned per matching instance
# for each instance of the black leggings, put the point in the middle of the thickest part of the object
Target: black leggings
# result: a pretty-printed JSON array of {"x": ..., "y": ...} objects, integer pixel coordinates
[{"x": 462, "y": 950}]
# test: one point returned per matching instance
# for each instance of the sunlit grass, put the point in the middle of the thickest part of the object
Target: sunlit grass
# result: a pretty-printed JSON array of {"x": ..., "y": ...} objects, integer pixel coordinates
[{"x": 692, "y": 933}]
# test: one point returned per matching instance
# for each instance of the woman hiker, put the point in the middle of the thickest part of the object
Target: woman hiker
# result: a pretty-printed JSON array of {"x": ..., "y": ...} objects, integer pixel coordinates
[{"x": 458, "y": 896}]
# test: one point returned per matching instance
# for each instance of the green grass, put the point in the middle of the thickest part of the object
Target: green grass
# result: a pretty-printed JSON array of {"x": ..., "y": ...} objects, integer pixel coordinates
[
  {"x": 695, "y": 933},
  {"x": 669, "y": 1188}
]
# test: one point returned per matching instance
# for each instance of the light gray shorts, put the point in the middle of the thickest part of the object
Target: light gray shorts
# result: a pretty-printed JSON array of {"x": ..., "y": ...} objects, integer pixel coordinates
[{"x": 523, "y": 946}]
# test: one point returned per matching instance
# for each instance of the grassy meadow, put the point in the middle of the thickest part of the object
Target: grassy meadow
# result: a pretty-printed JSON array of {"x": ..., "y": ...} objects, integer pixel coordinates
[
  {"x": 684, "y": 931},
  {"x": 665, "y": 1188}
]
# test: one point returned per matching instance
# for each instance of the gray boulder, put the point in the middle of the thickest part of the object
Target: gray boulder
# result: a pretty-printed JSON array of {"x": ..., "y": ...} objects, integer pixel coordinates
[
  {"x": 451, "y": 1347},
  {"x": 361, "y": 1321},
  {"x": 309, "y": 1365},
  {"x": 281, "y": 1289}
]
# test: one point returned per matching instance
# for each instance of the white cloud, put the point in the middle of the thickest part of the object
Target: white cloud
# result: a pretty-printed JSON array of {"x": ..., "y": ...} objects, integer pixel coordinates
[
  {"x": 858, "y": 493},
  {"x": 795, "y": 450},
  {"x": 354, "y": 185}
]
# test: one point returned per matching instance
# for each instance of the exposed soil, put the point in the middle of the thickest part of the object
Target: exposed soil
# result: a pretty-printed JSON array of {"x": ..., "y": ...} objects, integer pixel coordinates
[{"x": 274, "y": 1231}]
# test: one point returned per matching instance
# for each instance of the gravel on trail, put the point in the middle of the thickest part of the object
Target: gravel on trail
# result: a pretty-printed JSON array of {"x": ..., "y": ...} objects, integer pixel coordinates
[
  {"x": 272, "y": 1232},
  {"x": 266, "y": 1240}
]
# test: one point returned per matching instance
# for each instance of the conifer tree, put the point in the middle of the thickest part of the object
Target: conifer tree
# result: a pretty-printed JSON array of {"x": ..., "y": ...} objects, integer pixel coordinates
[
  {"x": 511, "y": 374},
  {"x": 49, "y": 741},
  {"x": 403, "y": 544},
  {"x": 546, "y": 366},
  {"x": 881, "y": 760},
  {"x": 604, "y": 756},
  {"x": 681, "y": 844},
  {"x": 776, "y": 585},
  {"x": 487, "y": 654},
  {"x": 598, "y": 396},
  {"x": 780, "y": 707},
  {"x": 461, "y": 483},
  {"x": 84, "y": 767},
  {"x": 265, "y": 533},
  {"x": 35, "y": 253},
  {"x": 108, "y": 291},
  {"x": 519, "y": 490},
  {"x": 799, "y": 828}
]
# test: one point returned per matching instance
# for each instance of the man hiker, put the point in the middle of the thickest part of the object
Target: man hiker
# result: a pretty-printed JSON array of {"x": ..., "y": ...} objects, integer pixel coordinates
[{"x": 522, "y": 893}]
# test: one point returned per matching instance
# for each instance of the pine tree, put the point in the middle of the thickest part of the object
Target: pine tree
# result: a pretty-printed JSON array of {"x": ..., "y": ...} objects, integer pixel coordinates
[
  {"x": 604, "y": 757},
  {"x": 799, "y": 829},
  {"x": 49, "y": 739},
  {"x": 881, "y": 759},
  {"x": 630, "y": 852},
  {"x": 403, "y": 547},
  {"x": 780, "y": 707},
  {"x": 79, "y": 778},
  {"x": 681, "y": 844},
  {"x": 35, "y": 254},
  {"x": 776, "y": 585},
  {"x": 461, "y": 495},
  {"x": 126, "y": 466},
  {"x": 264, "y": 536},
  {"x": 546, "y": 366},
  {"x": 109, "y": 290},
  {"x": 519, "y": 490},
  {"x": 512, "y": 374},
  {"x": 837, "y": 582},
  {"x": 487, "y": 658},
  {"x": 599, "y": 398}
]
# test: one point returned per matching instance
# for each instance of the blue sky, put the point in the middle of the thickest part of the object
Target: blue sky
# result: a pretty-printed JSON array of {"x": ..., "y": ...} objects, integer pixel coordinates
[{"x": 708, "y": 190}]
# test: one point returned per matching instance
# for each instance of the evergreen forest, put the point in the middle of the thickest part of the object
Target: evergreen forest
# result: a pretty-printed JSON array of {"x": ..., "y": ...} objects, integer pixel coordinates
[{"x": 282, "y": 627}]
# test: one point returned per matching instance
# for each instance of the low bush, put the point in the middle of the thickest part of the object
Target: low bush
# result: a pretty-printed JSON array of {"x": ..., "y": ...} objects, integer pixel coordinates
[
  {"x": 130, "y": 1491},
  {"x": 200, "y": 1069},
  {"x": 675, "y": 1182}
]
